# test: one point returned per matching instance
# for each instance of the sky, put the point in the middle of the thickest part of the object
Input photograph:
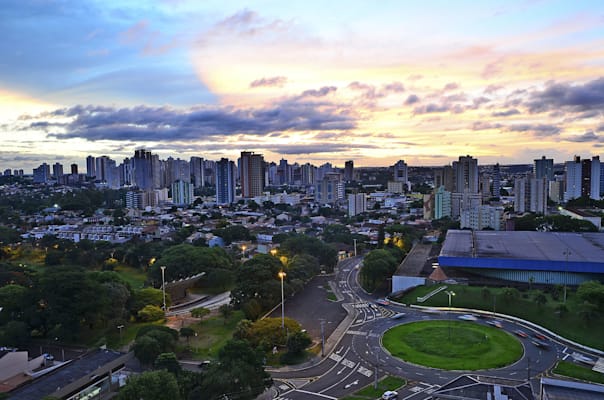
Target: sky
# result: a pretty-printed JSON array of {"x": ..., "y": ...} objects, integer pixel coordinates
[{"x": 308, "y": 81}]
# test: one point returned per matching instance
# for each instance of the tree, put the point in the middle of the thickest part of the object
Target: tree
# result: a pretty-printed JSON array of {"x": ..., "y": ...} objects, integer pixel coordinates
[
  {"x": 146, "y": 349},
  {"x": 298, "y": 342},
  {"x": 593, "y": 292},
  {"x": 540, "y": 299},
  {"x": 169, "y": 362},
  {"x": 150, "y": 313},
  {"x": 587, "y": 311},
  {"x": 145, "y": 297},
  {"x": 239, "y": 372},
  {"x": 187, "y": 333},
  {"x": 377, "y": 266},
  {"x": 152, "y": 385},
  {"x": 226, "y": 310},
  {"x": 510, "y": 294},
  {"x": 199, "y": 312},
  {"x": 561, "y": 309},
  {"x": 14, "y": 334},
  {"x": 486, "y": 293},
  {"x": 258, "y": 279}
]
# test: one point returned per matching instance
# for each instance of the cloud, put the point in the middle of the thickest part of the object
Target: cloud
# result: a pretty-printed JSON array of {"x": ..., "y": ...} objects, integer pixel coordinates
[
  {"x": 431, "y": 108},
  {"x": 492, "y": 89},
  {"x": 411, "y": 99},
  {"x": 506, "y": 113},
  {"x": 394, "y": 87},
  {"x": 450, "y": 86},
  {"x": 588, "y": 136},
  {"x": 275, "y": 81},
  {"x": 483, "y": 126},
  {"x": 144, "y": 123},
  {"x": 600, "y": 128},
  {"x": 324, "y": 91},
  {"x": 588, "y": 96},
  {"x": 542, "y": 130}
]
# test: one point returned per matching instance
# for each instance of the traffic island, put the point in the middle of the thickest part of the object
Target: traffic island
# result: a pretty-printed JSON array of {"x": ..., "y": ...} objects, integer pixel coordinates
[{"x": 452, "y": 345}]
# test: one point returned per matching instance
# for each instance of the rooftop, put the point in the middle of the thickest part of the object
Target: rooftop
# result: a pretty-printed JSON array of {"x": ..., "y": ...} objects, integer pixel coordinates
[{"x": 545, "y": 246}]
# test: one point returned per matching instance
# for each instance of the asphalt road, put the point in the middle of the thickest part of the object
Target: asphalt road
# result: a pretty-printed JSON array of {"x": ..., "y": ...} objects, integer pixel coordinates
[{"x": 358, "y": 358}]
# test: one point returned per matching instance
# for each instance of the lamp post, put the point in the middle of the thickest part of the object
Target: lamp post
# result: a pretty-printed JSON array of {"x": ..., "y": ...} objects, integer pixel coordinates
[
  {"x": 243, "y": 249},
  {"x": 566, "y": 253},
  {"x": 163, "y": 284},
  {"x": 450, "y": 294},
  {"x": 355, "y": 247},
  {"x": 282, "y": 275},
  {"x": 322, "y": 338},
  {"x": 120, "y": 327}
]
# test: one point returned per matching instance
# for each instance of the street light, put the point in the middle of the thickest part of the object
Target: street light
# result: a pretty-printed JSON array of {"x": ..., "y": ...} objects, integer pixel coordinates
[
  {"x": 274, "y": 252},
  {"x": 282, "y": 275},
  {"x": 120, "y": 327},
  {"x": 163, "y": 284},
  {"x": 566, "y": 253},
  {"x": 355, "y": 247},
  {"x": 243, "y": 249},
  {"x": 450, "y": 294}
]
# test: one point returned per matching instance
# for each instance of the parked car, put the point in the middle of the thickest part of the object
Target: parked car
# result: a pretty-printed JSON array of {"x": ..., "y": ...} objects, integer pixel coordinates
[
  {"x": 389, "y": 395},
  {"x": 468, "y": 317},
  {"x": 521, "y": 333},
  {"x": 382, "y": 302},
  {"x": 495, "y": 323},
  {"x": 398, "y": 315}
]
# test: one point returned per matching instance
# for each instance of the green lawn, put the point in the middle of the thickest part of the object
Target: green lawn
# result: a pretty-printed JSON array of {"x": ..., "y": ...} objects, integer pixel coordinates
[
  {"x": 135, "y": 277},
  {"x": 452, "y": 345},
  {"x": 569, "y": 325},
  {"x": 369, "y": 392},
  {"x": 212, "y": 334},
  {"x": 572, "y": 370}
]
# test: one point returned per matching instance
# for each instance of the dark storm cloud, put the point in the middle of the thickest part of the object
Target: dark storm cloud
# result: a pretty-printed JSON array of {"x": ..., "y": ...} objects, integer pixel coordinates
[
  {"x": 588, "y": 96},
  {"x": 145, "y": 123},
  {"x": 506, "y": 113},
  {"x": 275, "y": 81},
  {"x": 411, "y": 99}
]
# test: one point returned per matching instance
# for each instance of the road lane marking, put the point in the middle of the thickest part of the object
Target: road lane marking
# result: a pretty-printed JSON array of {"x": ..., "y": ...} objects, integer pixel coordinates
[
  {"x": 317, "y": 394},
  {"x": 348, "y": 363},
  {"x": 359, "y": 333},
  {"x": 335, "y": 357},
  {"x": 364, "y": 371}
]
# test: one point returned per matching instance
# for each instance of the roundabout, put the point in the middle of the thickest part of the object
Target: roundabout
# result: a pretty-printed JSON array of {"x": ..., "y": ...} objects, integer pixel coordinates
[{"x": 452, "y": 345}]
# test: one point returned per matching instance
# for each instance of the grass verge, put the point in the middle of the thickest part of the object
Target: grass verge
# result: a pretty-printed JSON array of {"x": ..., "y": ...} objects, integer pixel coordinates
[
  {"x": 572, "y": 370},
  {"x": 452, "y": 345}
]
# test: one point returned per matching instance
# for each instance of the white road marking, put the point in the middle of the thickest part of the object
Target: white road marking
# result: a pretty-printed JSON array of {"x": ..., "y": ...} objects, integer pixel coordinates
[
  {"x": 364, "y": 371},
  {"x": 353, "y": 383},
  {"x": 335, "y": 357},
  {"x": 348, "y": 363}
]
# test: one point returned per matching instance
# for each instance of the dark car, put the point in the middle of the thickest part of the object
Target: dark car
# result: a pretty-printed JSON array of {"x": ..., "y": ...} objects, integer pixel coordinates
[{"x": 540, "y": 343}]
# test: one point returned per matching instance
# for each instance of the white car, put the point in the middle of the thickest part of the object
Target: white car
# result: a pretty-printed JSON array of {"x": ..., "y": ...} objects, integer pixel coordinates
[
  {"x": 398, "y": 315},
  {"x": 468, "y": 317},
  {"x": 389, "y": 395}
]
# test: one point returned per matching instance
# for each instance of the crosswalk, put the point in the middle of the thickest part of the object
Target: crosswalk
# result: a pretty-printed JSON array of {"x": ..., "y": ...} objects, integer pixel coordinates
[{"x": 350, "y": 364}]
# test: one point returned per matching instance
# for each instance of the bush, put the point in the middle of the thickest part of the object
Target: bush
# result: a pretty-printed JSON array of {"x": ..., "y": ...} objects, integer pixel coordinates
[{"x": 150, "y": 313}]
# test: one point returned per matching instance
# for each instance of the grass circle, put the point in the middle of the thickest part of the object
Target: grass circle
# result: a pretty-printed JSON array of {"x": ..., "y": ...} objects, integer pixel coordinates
[{"x": 452, "y": 345}]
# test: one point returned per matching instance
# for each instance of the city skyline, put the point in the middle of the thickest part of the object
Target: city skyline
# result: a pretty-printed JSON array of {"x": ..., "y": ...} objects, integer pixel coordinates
[{"x": 309, "y": 82}]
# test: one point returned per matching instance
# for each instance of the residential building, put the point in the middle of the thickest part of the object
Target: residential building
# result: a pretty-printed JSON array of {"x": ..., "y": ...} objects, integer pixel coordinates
[
  {"x": 42, "y": 173},
  {"x": 444, "y": 177},
  {"x": 544, "y": 168},
  {"x": 90, "y": 167},
  {"x": 466, "y": 174},
  {"x": 401, "y": 172},
  {"x": 251, "y": 171},
  {"x": 57, "y": 171},
  {"x": 496, "y": 181},
  {"x": 349, "y": 171},
  {"x": 225, "y": 181},
  {"x": 572, "y": 179},
  {"x": 442, "y": 203},
  {"x": 182, "y": 193},
  {"x": 330, "y": 189},
  {"x": 357, "y": 204}
]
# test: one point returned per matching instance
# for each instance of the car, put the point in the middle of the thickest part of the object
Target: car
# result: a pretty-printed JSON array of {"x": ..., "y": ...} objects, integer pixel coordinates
[
  {"x": 495, "y": 323},
  {"x": 389, "y": 395},
  {"x": 540, "y": 343},
  {"x": 204, "y": 364},
  {"x": 398, "y": 315},
  {"x": 539, "y": 336},
  {"x": 521, "y": 333},
  {"x": 467, "y": 317},
  {"x": 382, "y": 302}
]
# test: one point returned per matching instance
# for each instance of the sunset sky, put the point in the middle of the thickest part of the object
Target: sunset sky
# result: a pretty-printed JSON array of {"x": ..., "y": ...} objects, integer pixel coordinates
[{"x": 309, "y": 81}]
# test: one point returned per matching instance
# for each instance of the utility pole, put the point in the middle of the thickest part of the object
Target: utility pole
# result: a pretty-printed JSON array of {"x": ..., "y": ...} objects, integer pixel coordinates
[
  {"x": 355, "y": 247},
  {"x": 322, "y": 338},
  {"x": 528, "y": 369},
  {"x": 377, "y": 361}
]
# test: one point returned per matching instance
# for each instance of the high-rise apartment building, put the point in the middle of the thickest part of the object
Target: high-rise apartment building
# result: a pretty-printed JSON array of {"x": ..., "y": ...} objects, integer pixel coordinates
[
  {"x": 442, "y": 203},
  {"x": 330, "y": 189},
  {"x": 572, "y": 179},
  {"x": 349, "y": 171},
  {"x": 590, "y": 178},
  {"x": 74, "y": 169},
  {"x": 42, "y": 173},
  {"x": 57, "y": 171},
  {"x": 225, "y": 181},
  {"x": 251, "y": 171},
  {"x": 182, "y": 193},
  {"x": 357, "y": 204},
  {"x": 496, "y": 181},
  {"x": 466, "y": 174},
  {"x": 401, "y": 173},
  {"x": 544, "y": 168},
  {"x": 90, "y": 167},
  {"x": 142, "y": 168},
  {"x": 444, "y": 177},
  {"x": 197, "y": 167}
]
